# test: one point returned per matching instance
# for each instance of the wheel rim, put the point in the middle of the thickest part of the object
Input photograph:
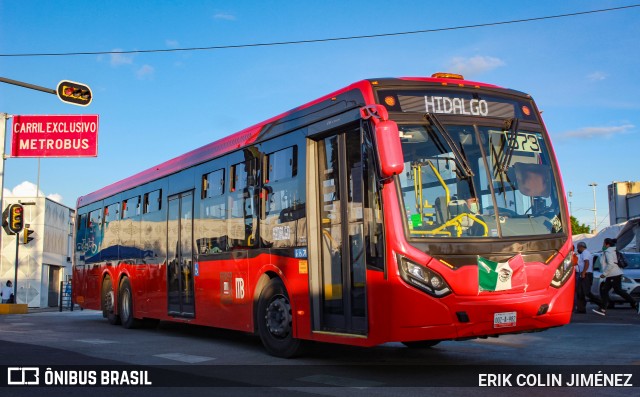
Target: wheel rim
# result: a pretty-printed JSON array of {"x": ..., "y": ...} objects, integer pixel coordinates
[
  {"x": 126, "y": 305},
  {"x": 278, "y": 317},
  {"x": 108, "y": 302}
]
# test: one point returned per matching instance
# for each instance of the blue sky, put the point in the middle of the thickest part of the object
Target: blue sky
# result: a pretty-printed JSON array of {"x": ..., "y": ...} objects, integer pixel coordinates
[{"x": 582, "y": 71}]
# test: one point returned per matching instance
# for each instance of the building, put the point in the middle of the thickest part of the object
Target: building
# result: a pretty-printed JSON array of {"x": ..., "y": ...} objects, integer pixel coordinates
[
  {"x": 624, "y": 201},
  {"x": 46, "y": 260}
]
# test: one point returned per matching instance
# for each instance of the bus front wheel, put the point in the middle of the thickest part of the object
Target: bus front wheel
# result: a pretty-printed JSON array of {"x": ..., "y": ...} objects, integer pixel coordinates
[
  {"x": 275, "y": 321},
  {"x": 108, "y": 302}
]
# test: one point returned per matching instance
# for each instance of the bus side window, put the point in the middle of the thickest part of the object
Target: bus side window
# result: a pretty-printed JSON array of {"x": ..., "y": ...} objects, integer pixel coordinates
[
  {"x": 242, "y": 218},
  {"x": 153, "y": 201},
  {"x": 283, "y": 209},
  {"x": 131, "y": 207},
  {"x": 212, "y": 223},
  {"x": 373, "y": 226},
  {"x": 81, "y": 228},
  {"x": 93, "y": 234},
  {"x": 213, "y": 184},
  {"x": 110, "y": 238}
]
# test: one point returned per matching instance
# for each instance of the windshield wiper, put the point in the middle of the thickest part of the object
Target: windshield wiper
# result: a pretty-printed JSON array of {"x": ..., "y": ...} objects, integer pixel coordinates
[
  {"x": 462, "y": 161},
  {"x": 511, "y": 126}
]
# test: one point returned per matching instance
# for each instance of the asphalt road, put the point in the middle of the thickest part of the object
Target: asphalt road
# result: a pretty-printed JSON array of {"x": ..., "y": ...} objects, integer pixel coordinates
[{"x": 189, "y": 360}]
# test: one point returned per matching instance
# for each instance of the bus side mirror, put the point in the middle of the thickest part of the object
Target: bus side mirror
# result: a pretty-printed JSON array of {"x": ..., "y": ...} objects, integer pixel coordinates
[{"x": 389, "y": 148}]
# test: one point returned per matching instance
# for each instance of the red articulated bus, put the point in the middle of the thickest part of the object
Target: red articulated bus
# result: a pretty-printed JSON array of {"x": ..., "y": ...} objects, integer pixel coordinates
[{"x": 410, "y": 209}]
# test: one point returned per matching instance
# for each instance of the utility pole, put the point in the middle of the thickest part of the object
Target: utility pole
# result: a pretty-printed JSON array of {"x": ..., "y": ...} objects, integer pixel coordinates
[
  {"x": 3, "y": 134},
  {"x": 595, "y": 209}
]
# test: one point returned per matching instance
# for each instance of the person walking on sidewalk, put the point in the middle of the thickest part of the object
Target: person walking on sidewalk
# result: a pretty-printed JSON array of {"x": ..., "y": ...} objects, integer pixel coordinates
[
  {"x": 612, "y": 275},
  {"x": 584, "y": 278}
]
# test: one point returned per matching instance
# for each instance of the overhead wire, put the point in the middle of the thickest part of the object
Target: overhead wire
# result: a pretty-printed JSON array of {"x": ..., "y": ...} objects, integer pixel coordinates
[{"x": 324, "y": 40}]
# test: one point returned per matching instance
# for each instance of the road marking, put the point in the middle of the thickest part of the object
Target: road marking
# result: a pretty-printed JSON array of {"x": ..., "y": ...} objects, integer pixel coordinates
[
  {"x": 95, "y": 341},
  {"x": 340, "y": 381},
  {"x": 185, "y": 358},
  {"x": 21, "y": 324}
]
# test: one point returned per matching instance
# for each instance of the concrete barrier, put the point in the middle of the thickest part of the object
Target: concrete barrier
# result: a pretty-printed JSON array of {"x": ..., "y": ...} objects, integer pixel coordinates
[{"x": 14, "y": 308}]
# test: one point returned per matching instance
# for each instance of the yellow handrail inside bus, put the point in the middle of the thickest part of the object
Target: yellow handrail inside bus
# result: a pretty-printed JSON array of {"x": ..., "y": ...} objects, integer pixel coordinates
[
  {"x": 421, "y": 203},
  {"x": 455, "y": 222}
]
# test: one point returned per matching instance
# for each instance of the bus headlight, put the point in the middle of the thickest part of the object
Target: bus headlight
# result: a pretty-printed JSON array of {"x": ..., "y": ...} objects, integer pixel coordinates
[
  {"x": 423, "y": 278},
  {"x": 563, "y": 272}
]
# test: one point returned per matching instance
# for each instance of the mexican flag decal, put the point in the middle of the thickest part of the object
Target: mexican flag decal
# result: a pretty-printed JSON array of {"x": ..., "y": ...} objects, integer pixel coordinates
[{"x": 501, "y": 276}]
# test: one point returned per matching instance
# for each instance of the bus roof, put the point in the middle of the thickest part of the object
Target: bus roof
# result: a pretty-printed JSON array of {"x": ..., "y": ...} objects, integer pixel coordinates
[{"x": 252, "y": 134}]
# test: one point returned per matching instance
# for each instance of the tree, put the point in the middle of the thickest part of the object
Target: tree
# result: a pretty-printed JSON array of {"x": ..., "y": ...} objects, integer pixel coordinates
[{"x": 577, "y": 228}]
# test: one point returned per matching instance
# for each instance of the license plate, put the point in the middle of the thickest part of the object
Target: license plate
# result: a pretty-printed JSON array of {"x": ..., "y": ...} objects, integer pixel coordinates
[{"x": 503, "y": 320}]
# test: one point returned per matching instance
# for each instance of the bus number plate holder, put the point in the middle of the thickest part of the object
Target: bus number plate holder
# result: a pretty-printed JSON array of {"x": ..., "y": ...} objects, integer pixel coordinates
[{"x": 504, "y": 320}]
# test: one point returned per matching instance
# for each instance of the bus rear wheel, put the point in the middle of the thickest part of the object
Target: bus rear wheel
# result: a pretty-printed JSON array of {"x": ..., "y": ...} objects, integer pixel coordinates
[
  {"x": 108, "y": 302},
  {"x": 275, "y": 321},
  {"x": 125, "y": 300}
]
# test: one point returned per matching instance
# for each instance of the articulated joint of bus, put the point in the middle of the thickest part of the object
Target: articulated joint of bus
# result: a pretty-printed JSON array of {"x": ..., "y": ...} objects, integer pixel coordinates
[{"x": 424, "y": 279}]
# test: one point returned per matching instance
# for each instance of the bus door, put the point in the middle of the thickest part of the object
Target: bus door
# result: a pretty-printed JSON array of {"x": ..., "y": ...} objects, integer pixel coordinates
[
  {"x": 340, "y": 293},
  {"x": 181, "y": 294}
]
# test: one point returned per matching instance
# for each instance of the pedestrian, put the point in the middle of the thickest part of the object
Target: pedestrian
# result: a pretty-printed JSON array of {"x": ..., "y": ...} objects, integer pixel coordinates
[
  {"x": 584, "y": 278},
  {"x": 586, "y": 257},
  {"x": 612, "y": 275},
  {"x": 7, "y": 292}
]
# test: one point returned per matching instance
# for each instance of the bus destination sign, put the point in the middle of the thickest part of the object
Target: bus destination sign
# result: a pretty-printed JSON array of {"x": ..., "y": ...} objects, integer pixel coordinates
[
  {"x": 455, "y": 103},
  {"x": 55, "y": 136}
]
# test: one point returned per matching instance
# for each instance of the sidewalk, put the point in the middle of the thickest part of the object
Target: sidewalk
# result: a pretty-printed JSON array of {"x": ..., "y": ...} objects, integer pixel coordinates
[{"x": 621, "y": 314}]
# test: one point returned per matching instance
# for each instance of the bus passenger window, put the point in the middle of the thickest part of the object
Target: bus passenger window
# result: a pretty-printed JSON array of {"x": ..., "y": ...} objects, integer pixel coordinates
[
  {"x": 131, "y": 207},
  {"x": 153, "y": 201},
  {"x": 211, "y": 225},
  {"x": 283, "y": 214},
  {"x": 213, "y": 184},
  {"x": 241, "y": 222}
]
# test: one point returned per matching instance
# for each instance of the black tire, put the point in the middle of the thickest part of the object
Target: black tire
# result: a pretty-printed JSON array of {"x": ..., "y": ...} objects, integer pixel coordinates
[
  {"x": 422, "y": 344},
  {"x": 275, "y": 321},
  {"x": 125, "y": 305},
  {"x": 108, "y": 302}
]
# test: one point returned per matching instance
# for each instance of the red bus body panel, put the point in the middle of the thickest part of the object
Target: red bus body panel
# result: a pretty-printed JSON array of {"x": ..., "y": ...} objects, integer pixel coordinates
[{"x": 396, "y": 311}]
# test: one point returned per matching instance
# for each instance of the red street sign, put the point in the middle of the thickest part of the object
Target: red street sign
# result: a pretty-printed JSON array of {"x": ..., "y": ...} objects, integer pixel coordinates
[{"x": 55, "y": 136}]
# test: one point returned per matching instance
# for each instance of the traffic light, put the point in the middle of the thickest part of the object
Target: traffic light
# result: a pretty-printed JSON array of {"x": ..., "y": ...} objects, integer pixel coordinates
[
  {"x": 76, "y": 93},
  {"x": 26, "y": 234},
  {"x": 15, "y": 219}
]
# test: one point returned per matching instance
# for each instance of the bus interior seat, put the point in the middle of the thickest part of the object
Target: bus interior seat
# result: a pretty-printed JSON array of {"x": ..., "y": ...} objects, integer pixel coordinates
[{"x": 440, "y": 207}]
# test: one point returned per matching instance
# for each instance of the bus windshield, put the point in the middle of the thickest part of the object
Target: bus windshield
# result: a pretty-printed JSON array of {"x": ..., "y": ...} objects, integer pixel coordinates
[{"x": 477, "y": 181}]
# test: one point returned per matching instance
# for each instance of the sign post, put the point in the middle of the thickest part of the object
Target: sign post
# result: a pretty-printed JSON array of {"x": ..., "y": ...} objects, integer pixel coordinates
[
  {"x": 77, "y": 136},
  {"x": 3, "y": 131}
]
